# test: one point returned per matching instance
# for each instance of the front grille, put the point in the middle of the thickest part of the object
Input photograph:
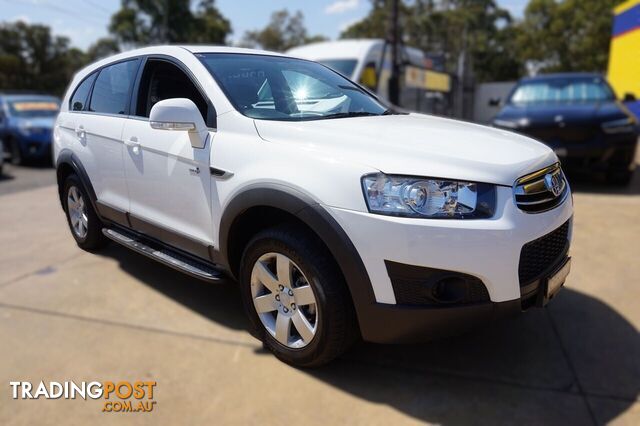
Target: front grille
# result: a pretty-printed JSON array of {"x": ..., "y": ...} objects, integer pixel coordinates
[
  {"x": 539, "y": 257},
  {"x": 542, "y": 190},
  {"x": 569, "y": 134}
]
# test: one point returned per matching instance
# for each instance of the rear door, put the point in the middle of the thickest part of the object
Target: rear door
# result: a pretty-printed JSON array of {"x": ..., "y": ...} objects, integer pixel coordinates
[
  {"x": 168, "y": 180},
  {"x": 97, "y": 128}
]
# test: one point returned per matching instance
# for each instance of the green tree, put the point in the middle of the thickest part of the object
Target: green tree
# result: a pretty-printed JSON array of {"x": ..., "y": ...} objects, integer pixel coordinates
[
  {"x": 376, "y": 23},
  {"x": 31, "y": 58},
  {"x": 141, "y": 22},
  {"x": 570, "y": 35},
  {"x": 102, "y": 48},
  {"x": 283, "y": 32},
  {"x": 477, "y": 29}
]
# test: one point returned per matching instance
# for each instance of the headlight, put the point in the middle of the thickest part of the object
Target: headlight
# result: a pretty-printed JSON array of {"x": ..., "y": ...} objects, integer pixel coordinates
[
  {"x": 625, "y": 125},
  {"x": 508, "y": 124},
  {"x": 428, "y": 198},
  {"x": 25, "y": 130}
]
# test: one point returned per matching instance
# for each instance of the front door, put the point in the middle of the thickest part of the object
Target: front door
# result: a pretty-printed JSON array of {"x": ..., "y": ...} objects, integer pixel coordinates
[{"x": 168, "y": 180}]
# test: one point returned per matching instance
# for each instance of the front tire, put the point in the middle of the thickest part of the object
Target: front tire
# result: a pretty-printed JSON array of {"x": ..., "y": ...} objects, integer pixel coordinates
[
  {"x": 295, "y": 297},
  {"x": 83, "y": 221},
  {"x": 16, "y": 153}
]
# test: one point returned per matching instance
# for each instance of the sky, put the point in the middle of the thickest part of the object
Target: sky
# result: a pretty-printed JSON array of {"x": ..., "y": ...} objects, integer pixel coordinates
[{"x": 85, "y": 21}]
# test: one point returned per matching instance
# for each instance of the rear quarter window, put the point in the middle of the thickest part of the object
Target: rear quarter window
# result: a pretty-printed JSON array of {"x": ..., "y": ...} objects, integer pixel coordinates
[{"x": 79, "y": 99}]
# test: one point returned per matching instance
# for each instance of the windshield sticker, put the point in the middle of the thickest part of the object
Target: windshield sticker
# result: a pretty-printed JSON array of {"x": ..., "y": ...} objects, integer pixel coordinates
[{"x": 35, "y": 106}]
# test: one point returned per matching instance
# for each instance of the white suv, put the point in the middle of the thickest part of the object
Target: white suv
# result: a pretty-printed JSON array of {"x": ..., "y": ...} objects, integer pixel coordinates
[{"x": 338, "y": 217}]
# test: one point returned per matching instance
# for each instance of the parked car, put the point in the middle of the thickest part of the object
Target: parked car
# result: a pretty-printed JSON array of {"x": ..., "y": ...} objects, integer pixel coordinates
[
  {"x": 578, "y": 116},
  {"x": 338, "y": 218},
  {"x": 26, "y": 125}
]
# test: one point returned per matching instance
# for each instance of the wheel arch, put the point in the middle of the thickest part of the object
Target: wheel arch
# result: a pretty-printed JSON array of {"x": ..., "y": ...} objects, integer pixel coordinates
[
  {"x": 256, "y": 208},
  {"x": 68, "y": 163}
]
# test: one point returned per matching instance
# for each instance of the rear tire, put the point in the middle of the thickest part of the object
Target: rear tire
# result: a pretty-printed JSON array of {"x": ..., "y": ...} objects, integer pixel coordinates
[
  {"x": 329, "y": 326},
  {"x": 83, "y": 221}
]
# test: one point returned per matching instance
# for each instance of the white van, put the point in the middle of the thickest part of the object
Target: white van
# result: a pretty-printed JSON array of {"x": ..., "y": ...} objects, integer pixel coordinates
[{"x": 361, "y": 60}]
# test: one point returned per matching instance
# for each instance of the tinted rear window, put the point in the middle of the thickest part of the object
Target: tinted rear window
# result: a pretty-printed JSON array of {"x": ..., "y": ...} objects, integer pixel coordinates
[{"x": 113, "y": 87}]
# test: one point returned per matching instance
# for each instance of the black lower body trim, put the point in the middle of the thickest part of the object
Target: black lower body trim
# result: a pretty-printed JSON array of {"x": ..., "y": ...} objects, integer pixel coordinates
[
  {"x": 170, "y": 238},
  {"x": 383, "y": 323},
  {"x": 108, "y": 213}
]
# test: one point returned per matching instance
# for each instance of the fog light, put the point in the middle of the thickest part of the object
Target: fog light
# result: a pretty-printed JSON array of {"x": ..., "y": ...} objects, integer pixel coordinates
[{"x": 451, "y": 289}]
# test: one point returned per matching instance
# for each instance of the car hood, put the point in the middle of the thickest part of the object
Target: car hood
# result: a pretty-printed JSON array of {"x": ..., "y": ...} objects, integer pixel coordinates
[
  {"x": 544, "y": 114},
  {"x": 417, "y": 144}
]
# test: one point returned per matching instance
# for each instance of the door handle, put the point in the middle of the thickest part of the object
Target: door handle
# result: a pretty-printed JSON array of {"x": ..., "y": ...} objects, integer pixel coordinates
[
  {"x": 133, "y": 143},
  {"x": 80, "y": 132}
]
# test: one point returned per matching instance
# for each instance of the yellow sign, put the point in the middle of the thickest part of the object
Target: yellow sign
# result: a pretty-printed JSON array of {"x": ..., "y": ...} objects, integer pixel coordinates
[
  {"x": 34, "y": 106},
  {"x": 426, "y": 79},
  {"x": 437, "y": 81},
  {"x": 624, "y": 54}
]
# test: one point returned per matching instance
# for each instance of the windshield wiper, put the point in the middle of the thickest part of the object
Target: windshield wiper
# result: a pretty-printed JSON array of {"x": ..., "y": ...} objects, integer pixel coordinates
[{"x": 349, "y": 114}]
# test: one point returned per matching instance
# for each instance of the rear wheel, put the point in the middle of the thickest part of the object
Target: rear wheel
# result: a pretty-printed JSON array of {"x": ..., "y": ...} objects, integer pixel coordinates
[
  {"x": 84, "y": 223},
  {"x": 296, "y": 298}
]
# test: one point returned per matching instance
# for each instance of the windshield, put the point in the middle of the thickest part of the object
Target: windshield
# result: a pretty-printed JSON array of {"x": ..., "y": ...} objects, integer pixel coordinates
[
  {"x": 559, "y": 90},
  {"x": 33, "y": 108},
  {"x": 343, "y": 66},
  {"x": 287, "y": 89}
]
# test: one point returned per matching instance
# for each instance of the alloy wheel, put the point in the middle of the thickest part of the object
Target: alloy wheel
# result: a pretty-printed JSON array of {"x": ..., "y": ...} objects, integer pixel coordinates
[
  {"x": 284, "y": 300},
  {"x": 77, "y": 212}
]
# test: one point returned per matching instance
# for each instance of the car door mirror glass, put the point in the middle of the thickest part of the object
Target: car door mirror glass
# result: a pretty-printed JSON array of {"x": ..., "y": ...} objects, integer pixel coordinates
[
  {"x": 494, "y": 102},
  {"x": 180, "y": 114}
]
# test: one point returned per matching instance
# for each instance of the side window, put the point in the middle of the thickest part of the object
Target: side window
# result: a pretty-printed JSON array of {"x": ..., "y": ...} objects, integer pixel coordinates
[
  {"x": 79, "y": 99},
  {"x": 111, "y": 90},
  {"x": 162, "y": 80}
]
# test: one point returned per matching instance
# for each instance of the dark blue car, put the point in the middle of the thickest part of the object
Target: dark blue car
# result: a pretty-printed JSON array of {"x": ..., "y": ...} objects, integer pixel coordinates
[
  {"x": 578, "y": 115},
  {"x": 26, "y": 125}
]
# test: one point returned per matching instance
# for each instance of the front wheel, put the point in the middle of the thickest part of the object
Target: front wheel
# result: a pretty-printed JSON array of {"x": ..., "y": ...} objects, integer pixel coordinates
[
  {"x": 296, "y": 298},
  {"x": 16, "y": 152}
]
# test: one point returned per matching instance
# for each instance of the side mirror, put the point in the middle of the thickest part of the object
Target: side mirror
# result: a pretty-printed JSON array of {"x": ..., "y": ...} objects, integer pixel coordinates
[
  {"x": 629, "y": 97},
  {"x": 369, "y": 76},
  {"x": 494, "y": 102},
  {"x": 180, "y": 114}
]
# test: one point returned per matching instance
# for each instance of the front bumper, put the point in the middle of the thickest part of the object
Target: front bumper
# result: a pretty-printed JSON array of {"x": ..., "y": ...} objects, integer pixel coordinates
[
  {"x": 386, "y": 323},
  {"x": 487, "y": 249},
  {"x": 35, "y": 145}
]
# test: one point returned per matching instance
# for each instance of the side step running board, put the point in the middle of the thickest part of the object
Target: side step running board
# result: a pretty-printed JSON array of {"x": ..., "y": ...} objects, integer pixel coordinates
[{"x": 165, "y": 255}]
